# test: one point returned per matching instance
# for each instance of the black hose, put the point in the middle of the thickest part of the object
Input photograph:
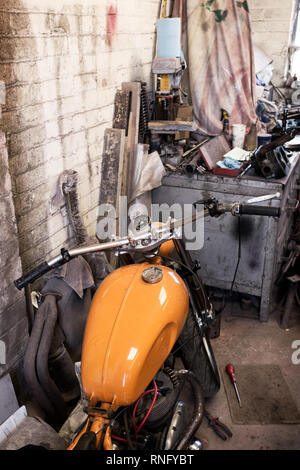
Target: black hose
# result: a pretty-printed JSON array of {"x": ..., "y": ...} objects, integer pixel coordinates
[
  {"x": 30, "y": 376},
  {"x": 104, "y": 431},
  {"x": 163, "y": 437},
  {"x": 130, "y": 444},
  {"x": 42, "y": 357},
  {"x": 198, "y": 414}
]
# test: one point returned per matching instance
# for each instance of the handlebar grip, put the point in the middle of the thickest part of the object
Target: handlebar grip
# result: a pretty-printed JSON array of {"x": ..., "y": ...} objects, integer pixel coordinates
[
  {"x": 248, "y": 209},
  {"x": 30, "y": 277}
]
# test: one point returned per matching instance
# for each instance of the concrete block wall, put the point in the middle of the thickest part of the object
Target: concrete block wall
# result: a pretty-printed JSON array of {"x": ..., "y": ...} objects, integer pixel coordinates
[
  {"x": 271, "y": 26},
  {"x": 62, "y": 62}
]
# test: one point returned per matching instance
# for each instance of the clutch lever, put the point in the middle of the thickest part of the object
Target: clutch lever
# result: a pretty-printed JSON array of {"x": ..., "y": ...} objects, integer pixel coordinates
[{"x": 268, "y": 197}]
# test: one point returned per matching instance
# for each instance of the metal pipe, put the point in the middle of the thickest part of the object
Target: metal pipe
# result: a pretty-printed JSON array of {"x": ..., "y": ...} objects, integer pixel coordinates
[
  {"x": 188, "y": 152},
  {"x": 98, "y": 247},
  {"x": 164, "y": 229},
  {"x": 198, "y": 414},
  {"x": 190, "y": 168}
]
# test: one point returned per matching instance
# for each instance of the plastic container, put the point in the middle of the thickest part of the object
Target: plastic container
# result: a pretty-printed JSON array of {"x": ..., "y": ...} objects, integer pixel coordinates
[
  {"x": 263, "y": 139},
  {"x": 169, "y": 37},
  {"x": 250, "y": 143},
  {"x": 238, "y": 135}
]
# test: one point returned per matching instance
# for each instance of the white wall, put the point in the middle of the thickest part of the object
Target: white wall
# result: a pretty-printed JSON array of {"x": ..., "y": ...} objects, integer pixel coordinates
[
  {"x": 271, "y": 23},
  {"x": 61, "y": 71}
]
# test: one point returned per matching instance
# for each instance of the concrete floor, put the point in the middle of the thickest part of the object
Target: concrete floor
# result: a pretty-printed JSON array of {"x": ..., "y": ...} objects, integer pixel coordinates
[{"x": 248, "y": 341}]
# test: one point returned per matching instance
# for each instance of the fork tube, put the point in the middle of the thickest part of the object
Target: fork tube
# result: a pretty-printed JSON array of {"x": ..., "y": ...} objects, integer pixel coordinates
[{"x": 196, "y": 286}]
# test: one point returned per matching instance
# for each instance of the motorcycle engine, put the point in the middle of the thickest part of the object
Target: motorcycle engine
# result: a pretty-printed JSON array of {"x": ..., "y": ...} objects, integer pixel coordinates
[
  {"x": 173, "y": 409},
  {"x": 167, "y": 384}
]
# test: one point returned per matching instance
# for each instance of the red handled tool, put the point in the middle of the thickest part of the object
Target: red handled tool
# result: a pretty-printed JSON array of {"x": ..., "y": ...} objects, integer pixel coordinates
[
  {"x": 219, "y": 428},
  {"x": 231, "y": 372}
]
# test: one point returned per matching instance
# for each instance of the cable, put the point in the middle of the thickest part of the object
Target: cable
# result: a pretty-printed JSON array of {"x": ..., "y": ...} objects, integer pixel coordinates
[
  {"x": 137, "y": 404},
  {"x": 109, "y": 424},
  {"x": 237, "y": 265},
  {"x": 148, "y": 413},
  {"x": 130, "y": 443},
  {"x": 191, "y": 272},
  {"x": 104, "y": 429},
  {"x": 121, "y": 439},
  {"x": 150, "y": 409},
  {"x": 239, "y": 255}
]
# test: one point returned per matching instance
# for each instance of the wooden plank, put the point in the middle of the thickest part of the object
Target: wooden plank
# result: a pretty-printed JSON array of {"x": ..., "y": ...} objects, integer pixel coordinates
[
  {"x": 165, "y": 127},
  {"x": 184, "y": 113},
  {"x": 127, "y": 156},
  {"x": 112, "y": 167},
  {"x": 214, "y": 150},
  {"x": 133, "y": 133},
  {"x": 182, "y": 135},
  {"x": 122, "y": 109}
]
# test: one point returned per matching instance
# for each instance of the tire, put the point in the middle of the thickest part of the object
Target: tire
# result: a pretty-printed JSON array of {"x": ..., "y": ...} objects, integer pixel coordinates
[
  {"x": 197, "y": 355},
  {"x": 215, "y": 329}
]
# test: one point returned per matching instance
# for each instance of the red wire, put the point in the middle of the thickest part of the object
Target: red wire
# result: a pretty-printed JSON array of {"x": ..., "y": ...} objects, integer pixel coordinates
[
  {"x": 120, "y": 439},
  {"x": 137, "y": 404},
  {"x": 155, "y": 390}
]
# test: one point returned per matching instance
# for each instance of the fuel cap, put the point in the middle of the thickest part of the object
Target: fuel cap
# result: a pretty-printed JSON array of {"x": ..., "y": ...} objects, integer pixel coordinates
[{"x": 152, "y": 275}]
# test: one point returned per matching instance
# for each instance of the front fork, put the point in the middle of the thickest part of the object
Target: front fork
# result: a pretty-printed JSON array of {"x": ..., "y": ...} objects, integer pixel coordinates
[{"x": 200, "y": 300}]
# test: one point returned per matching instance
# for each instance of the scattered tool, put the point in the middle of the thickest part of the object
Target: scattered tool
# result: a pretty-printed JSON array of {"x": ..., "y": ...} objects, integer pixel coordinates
[
  {"x": 225, "y": 119},
  {"x": 193, "y": 149},
  {"x": 189, "y": 162},
  {"x": 272, "y": 160},
  {"x": 231, "y": 372},
  {"x": 219, "y": 428}
]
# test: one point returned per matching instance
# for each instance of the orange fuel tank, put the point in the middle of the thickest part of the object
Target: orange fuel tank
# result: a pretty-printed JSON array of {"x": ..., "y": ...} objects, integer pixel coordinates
[{"x": 134, "y": 320}]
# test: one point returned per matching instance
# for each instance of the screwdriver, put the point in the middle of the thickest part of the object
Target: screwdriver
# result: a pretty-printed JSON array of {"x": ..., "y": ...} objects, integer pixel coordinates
[{"x": 231, "y": 372}]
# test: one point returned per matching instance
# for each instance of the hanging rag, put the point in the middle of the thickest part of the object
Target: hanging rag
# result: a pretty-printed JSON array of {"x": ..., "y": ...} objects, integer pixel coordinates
[
  {"x": 151, "y": 171},
  {"x": 77, "y": 274},
  {"x": 74, "y": 282},
  {"x": 220, "y": 61}
]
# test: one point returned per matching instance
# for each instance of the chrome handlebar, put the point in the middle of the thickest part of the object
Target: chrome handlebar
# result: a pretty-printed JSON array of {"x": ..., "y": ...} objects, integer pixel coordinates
[{"x": 150, "y": 239}]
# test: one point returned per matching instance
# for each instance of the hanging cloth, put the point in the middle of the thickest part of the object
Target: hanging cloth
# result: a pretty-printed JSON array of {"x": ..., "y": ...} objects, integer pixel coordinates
[{"x": 220, "y": 61}]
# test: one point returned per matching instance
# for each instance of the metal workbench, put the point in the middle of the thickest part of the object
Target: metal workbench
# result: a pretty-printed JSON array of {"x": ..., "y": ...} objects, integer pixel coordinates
[{"x": 263, "y": 239}]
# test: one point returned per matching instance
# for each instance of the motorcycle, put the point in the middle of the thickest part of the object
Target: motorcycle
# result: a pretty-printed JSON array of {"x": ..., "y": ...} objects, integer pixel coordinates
[{"x": 143, "y": 318}]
